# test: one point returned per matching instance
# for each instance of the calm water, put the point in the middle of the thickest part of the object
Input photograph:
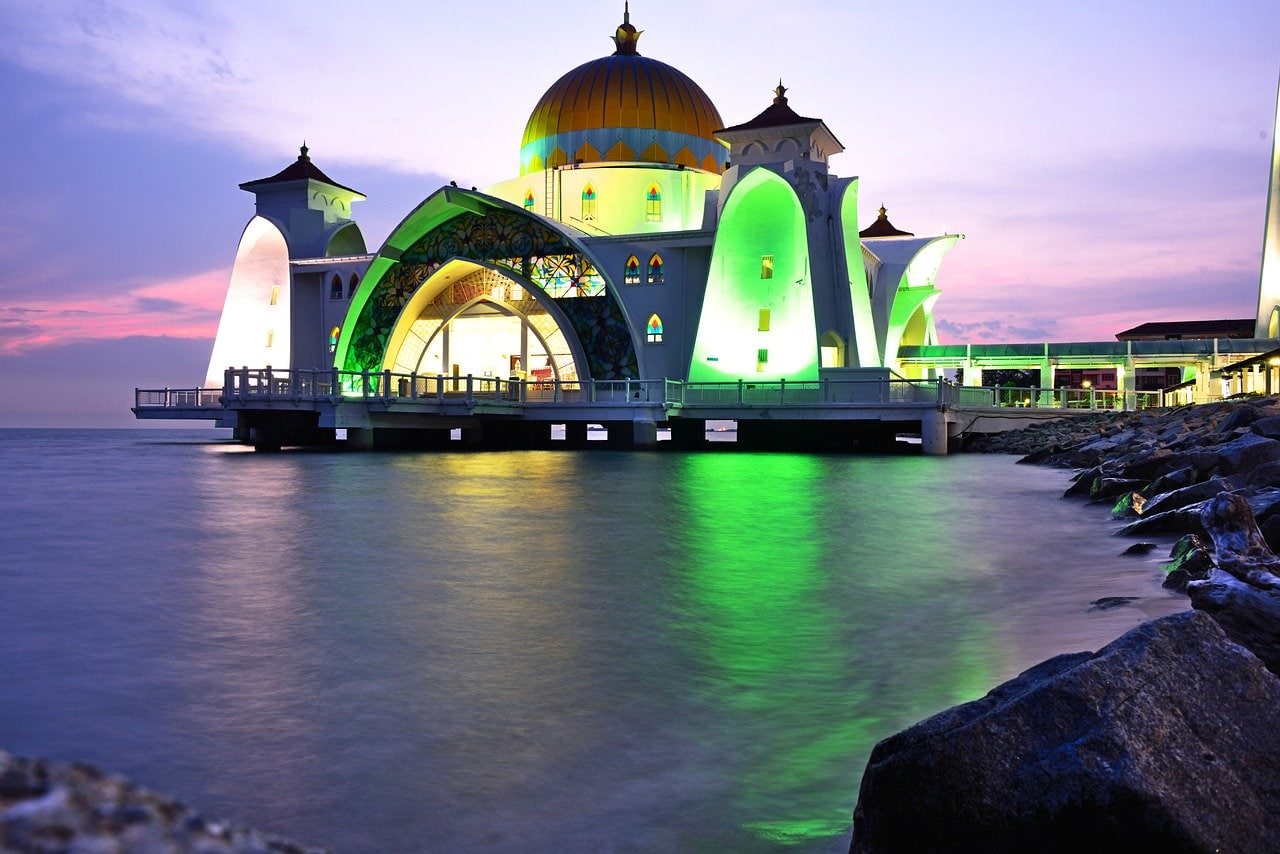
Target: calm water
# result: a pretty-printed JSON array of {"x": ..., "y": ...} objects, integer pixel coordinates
[{"x": 524, "y": 650}]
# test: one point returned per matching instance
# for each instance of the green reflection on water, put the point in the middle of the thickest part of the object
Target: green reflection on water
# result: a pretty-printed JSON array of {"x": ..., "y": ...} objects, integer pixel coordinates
[{"x": 764, "y": 598}]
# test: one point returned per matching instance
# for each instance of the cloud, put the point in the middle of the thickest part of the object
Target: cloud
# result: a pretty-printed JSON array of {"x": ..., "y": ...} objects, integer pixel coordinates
[{"x": 186, "y": 308}]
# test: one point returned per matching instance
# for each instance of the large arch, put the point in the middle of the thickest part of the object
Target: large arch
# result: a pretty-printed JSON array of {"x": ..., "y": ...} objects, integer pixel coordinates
[
  {"x": 550, "y": 263},
  {"x": 531, "y": 338}
]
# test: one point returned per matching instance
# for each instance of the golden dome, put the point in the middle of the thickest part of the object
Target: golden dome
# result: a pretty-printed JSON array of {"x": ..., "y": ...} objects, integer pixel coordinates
[{"x": 623, "y": 107}]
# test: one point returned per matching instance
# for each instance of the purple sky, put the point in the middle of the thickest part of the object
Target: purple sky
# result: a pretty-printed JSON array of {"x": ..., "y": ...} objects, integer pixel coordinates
[{"x": 1107, "y": 162}]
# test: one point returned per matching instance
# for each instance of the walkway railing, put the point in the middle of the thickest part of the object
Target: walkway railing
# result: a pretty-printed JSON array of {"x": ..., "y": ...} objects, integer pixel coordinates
[{"x": 246, "y": 385}]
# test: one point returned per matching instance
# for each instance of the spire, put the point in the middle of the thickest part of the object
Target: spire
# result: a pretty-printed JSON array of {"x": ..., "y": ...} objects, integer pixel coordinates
[
  {"x": 780, "y": 94},
  {"x": 626, "y": 37},
  {"x": 302, "y": 156}
]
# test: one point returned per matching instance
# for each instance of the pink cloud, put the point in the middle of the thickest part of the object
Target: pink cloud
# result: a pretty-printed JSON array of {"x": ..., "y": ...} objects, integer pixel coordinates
[{"x": 186, "y": 308}]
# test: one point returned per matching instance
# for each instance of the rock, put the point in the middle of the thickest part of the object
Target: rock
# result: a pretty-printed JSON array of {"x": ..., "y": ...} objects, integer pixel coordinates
[
  {"x": 1104, "y": 488},
  {"x": 1240, "y": 416},
  {"x": 1129, "y": 504},
  {"x": 1267, "y": 474},
  {"x": 1246, "y": 452},
  {"x": 1138, "y": 549},
  {"x": 1191, "y": 560},
  {"x": 1084, "y": 481},
  {"x": 1269, "y": 427},
  {"x": 1180, "y": 521},
  {"x": 1106, "y": 603},
  {"x": 1169, "y": 737},
  {"x": 1176, "y": 479},
  {"x": 1187, "y": 496}
]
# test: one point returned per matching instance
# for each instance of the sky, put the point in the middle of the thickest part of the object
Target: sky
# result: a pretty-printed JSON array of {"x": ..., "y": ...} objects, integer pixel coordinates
[{"x": 1107, "y": 162}]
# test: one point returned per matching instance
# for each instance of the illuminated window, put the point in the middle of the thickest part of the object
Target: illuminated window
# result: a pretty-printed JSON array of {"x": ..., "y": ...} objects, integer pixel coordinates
[
  {"x": 766, "y": 267},
  {"x": 335, "y": 288},
  {"x": 762, "y": 359},
  {"x": 653, "y": 204},
  {"x": 333, "y": 338},
  {"x": 656, "y": 276},
  {"x": 764, "y": 320},
  {"x": 528, "y": 199},
  {"x": 653, "y": 333},
  {"x": 352, "y": 284},
  {"x": 588, "y": 202},
  {"x": 271, "y": 337},
  {"x": 632, "y": 274},
  {"x": 275, "y": 295}
]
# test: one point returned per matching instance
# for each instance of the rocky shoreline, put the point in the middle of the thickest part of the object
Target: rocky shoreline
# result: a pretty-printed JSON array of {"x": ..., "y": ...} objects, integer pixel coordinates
[
  {"x": 58, "y": 807},
  {"x": 1170, "y": 735}
]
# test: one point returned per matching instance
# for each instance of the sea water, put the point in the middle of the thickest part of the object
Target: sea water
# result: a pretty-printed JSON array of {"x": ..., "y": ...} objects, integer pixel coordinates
[{"x": 590, "y": 650}]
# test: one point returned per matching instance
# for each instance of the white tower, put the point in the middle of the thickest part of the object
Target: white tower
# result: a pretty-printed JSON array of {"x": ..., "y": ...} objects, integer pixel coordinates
[{"x": 1268, "y": 323}]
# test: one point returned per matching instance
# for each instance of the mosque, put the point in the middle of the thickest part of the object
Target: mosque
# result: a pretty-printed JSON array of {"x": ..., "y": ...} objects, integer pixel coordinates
[{"x": 644, "y": 238}]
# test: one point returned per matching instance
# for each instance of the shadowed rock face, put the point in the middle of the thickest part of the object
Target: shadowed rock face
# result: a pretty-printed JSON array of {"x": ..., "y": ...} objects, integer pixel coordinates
[{"x": 1169, "y": 736}]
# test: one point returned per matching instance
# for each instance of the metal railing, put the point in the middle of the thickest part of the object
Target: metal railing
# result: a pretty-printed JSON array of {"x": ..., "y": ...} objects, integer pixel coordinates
[{"x": 247, "y": 385}]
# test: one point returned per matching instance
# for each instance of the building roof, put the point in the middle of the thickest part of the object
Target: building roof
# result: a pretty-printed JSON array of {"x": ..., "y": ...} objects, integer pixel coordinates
[
  {"x": 883, "y": 228},
  {"x": 301, "y": 169},
  {"x": 1190, "y": 329},
  {"x": 630, "y": 96},
  {"x": 776, "y": 115}
]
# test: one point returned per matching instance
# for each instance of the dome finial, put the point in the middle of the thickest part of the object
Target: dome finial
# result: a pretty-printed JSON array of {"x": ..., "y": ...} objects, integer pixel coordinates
[
  {"x": 302, "y": 156},
  {"x": 884, "y": 214},
  {"x": 780, "y": 94},
  {"x": 626, "y": 37}
]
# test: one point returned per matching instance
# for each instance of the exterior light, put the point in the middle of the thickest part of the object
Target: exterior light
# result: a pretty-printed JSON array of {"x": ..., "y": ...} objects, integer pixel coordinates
[{"x": 1086, "y": 384}]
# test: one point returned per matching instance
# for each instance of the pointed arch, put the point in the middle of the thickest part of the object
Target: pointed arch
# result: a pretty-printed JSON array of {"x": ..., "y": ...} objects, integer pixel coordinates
[
  {"x": 653, "y": 330},
  {"x": 589, "y": 198},
  {"x": 352, "y": 284},
  {"x": 631, "y": 273},
  {"x": 653, "y": 203},
  {"x": 657, "y": 276},
  {"x": 528, "y": 199},
  {"x": 335, "y": 287}
]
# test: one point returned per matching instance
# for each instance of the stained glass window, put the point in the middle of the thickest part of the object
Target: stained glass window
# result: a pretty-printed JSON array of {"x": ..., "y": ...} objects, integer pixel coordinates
[
  {"x": 653, "y": 333},
  {"x": 766, "y": 267},
  {"x": 333, "y": 338},
  {"x": 656, "y": 276},
  {"x": 632, "y": 274},
  {"x": 335, "y": 288},
  {"x": 352, "y": 283},
  {"x": 588, "y": 202},
  {"x": 528, "y": 199},
  {"x": 653, "y": 204}
]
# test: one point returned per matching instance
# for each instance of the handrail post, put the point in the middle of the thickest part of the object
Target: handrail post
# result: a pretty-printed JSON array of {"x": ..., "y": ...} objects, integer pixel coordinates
[
  {"x": 739, "y": 392},
  {"x": 364, "y": 383},
  {"x": 440, "y": 388},
  {"x": 470, "y": 389},
  {"x": 335, "y": 382},
  {"x": 782, "y": 391}
]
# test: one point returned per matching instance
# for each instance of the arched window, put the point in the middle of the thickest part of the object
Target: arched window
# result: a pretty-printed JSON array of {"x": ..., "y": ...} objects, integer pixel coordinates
[
  {"x": 632, "y": 274},
  {"x": 656, "y": 276},
  {"x": 653, "y": 332},
  {"x": 653, "y": 204},
  {"x": 352, "y": 284},
  {"x": 335, "y": 288},
  {"x": 588, "y": 202},
  {"x": 528, "y": 199},
  {"x": 333, "y": 338}
]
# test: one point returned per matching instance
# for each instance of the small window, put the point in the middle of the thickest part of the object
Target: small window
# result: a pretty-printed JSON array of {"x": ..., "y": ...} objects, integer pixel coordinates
[
  {"x": 653, "y": 333},
  {"x": 656, "y": 276},
  {"x": 333, "y": 338},
  {"x": 335, "y": 288},
  {"x": 275, "y": 295},
  {"x": 762, "y": 359},
  {"x": 271, "y": 338},
  {"x": 766, "y": 267},
  {"x": 764, "y": 320},
  {"x": 352, "y": 284},
  {"x": 528, "y": 199},
  {"x": 631, "y": 276},
  {"x": 588, "y": 202},
  {"x": 653, "y": 204}
]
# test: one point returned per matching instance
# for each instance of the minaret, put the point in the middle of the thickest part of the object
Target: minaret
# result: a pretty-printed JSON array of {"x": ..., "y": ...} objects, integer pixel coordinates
[{"x": 1268, "y": 322}]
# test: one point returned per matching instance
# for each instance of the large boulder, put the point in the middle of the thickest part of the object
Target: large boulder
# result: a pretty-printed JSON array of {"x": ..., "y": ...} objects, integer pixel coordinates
[{"x": 1167, "y": 737}]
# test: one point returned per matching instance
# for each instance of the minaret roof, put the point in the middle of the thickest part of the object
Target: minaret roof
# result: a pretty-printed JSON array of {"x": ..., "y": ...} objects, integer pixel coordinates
[
  {"x": 301, "y": 169},
  {"x": 883, "y": 228},
  {"x": 777, "y": 114}
]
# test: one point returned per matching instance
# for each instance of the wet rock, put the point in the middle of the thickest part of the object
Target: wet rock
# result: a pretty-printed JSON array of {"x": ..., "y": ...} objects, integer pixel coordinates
[
  {"x": 1180, "y": 520},
  {"x": 1104, "y": 488},
  {"x": 1106, "y": 603},
  {"x": 1129, "y": 504},
  {"x": 1246, "y": 452},
  {"x": 1187, "y": 496},
  {"x": 1191, "y": 560},
  {"x": 1139, "y": 549},
  {"x": 1168, "y": 737}
]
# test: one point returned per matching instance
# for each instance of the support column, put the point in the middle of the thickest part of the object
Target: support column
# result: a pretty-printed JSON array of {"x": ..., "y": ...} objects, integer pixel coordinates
[
  {"x": 1046, "y": 384},
  {"x": 972, "y": 375},
  {"x": 644, "y": 433},
  {"x": 688, "y": 433},
  {"x": 933, "y": 433}
]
